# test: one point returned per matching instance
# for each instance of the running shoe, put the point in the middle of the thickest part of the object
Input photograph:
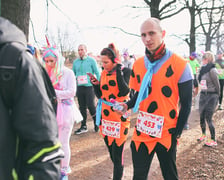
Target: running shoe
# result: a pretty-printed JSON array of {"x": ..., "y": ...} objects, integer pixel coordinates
[
  {"x": 186, "y": 126},
  {"x": 81, "y": 130},
  {"x": 211, "y": 143},
  {"x": 202, "y": 138},
  {"x": 220, "y": 107}
]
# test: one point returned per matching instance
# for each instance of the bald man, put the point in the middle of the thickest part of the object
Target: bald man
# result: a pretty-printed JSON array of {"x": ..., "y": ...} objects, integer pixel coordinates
[{"x": 162, "y": 81}]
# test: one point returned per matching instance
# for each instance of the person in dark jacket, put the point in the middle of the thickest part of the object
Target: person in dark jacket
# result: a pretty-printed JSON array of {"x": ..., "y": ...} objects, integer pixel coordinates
[
  {"x": 209, "y": 96},
  {"x": 29, "y": 143}
]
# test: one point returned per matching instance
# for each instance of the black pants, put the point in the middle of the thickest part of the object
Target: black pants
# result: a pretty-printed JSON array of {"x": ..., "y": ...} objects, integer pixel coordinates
[
  {"x": 86, "y": 99},
  {"x": 142, "y": 160},
  {"x": 221, "y": 82},
  {"x": 207, "y": 105},
  {"x": 195, "y": 81},
  {"x": 116, "y": 155}
]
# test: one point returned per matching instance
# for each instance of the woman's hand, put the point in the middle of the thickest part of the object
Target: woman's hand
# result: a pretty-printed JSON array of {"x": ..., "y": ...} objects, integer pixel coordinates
[
  {"x": 93, "y": 79},
  {"x": 124, "y": 110}
]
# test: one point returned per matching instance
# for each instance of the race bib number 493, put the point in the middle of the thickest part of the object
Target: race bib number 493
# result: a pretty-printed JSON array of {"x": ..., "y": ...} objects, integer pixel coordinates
[{"x": 150, "y": 124}]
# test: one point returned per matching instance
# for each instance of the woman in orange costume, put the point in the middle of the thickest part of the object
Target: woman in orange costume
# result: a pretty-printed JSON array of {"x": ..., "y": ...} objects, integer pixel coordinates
[{"x": 113, "y": 85}]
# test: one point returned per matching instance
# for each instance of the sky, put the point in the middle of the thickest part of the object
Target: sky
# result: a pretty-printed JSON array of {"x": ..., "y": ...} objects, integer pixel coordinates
[{"x": 88, "y": 22}]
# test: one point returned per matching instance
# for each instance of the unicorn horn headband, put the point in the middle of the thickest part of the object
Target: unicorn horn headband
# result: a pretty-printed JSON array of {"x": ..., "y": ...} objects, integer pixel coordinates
[
  {"x": 49, "y": 48},
  {"x": 48, "y": 43}
]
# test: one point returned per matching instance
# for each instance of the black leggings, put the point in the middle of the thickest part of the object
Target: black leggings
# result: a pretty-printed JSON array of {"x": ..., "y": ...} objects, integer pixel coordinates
[
  {"x": 86, "y": 99},
  {"x": 206, "y": 115},
  {"x": 116, "y": 155},
  {"x": 207, "y": 105},
  {"x": 142, "y": 160}
]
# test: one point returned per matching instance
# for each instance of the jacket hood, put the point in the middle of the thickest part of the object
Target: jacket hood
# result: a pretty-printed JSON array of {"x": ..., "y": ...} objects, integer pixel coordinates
[{"x": 10, "y": 33}]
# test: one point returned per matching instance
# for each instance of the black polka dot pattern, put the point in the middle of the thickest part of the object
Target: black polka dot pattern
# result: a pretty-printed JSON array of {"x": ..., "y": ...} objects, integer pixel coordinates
[
  {"x": 123, "y": 119},
  {"x": 111, "y": 107},
  {"x": 112, "y": 83},
  {"x": 106, "y": 112},
  {"x": 152, "y": 107},
  {"x": 138, "y": 132},
  {"x": 172, "y": 114},
  {"x": 126, "y": 131},
  {"x": 166, "y": 90},
  {"x": 105, "y": 87},
  {"x": 138, "y": 79},
  {"x": 132, "y": 73},
  {"x": 112, "y": 96},
  {"x": 151, "y": 136},
  {"x": 150, "y": 90},
  {"x": 169, "y": 71}
]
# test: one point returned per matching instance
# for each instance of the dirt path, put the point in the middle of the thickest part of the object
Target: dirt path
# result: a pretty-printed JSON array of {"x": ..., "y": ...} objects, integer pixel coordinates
[{"x": 90, "y": 159}]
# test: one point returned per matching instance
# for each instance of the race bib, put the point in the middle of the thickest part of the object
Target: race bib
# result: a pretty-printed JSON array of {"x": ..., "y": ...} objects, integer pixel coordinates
[
  {"x": 150, "y": 124},
  {"x": 111, "y": 128},
  {"x": 203, "y": 84},
  {"x": 220, "y": 71},
  {"x": 82, "y": 79}
]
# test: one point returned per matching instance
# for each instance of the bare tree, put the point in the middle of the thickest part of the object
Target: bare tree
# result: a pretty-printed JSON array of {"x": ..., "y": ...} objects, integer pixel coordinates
[
  {"x": 211, "y": 18},
  {"x": 167, "y": 9},
  {"x": 18, "y": 12},
  {"x": 220, "y": 41},
  {"x": 191, "y": 40}
]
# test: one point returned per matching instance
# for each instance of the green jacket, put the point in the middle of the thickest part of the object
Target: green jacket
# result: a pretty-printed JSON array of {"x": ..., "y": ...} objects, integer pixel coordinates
[
  {"x": 194, "y": 65},
  {"x": 220, "y": 67}
]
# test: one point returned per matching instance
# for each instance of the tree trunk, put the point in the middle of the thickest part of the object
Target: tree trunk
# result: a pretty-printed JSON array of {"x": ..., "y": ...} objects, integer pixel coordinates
[
  {"x": 192, "y": 28},
  {"x": 155, "y": 8},
  {"x": 208, "y": 43},
  {"x": 18, "y": 12}
]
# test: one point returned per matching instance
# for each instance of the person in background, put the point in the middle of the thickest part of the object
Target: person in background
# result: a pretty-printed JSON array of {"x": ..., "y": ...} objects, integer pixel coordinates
[
  {"x": 195, "y": 67},
  {"x": 85, "y": 93},
  {"x": 113, "y": 84},
  {"x": 209, "y": 95},
  {"x": 220, "y": 68},
  {"x": 160, "y": 122},
  {"x": 64, "y": 83},
  {"x": 127, "y": 60},
  {"x": 29, "y": 146}
]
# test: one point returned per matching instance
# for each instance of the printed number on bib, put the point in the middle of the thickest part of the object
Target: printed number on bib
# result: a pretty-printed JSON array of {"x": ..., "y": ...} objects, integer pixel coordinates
[
  {"x": 203, "y": 85},
  {"x": 82, "y": 79},
  {"x": 150, "y": 124},
  {"x": 111, "y": 128},
  {"x": 220, "y": 71}
]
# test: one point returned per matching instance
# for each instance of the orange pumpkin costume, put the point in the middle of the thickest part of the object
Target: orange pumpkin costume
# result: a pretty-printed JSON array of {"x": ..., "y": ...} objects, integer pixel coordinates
[{"x": 162, "y": 99}]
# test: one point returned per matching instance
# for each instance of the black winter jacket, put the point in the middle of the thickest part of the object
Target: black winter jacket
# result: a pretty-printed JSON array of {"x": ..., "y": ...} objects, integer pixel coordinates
[{"x": 29, "y": 146}]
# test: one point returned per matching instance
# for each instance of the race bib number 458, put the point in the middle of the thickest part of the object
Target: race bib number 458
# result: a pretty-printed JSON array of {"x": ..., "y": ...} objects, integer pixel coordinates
[{"x": 150, "y": 124}]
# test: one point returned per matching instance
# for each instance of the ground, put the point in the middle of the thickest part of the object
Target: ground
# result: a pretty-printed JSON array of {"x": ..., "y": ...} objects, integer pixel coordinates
[{"x": 90, "y": 159}]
